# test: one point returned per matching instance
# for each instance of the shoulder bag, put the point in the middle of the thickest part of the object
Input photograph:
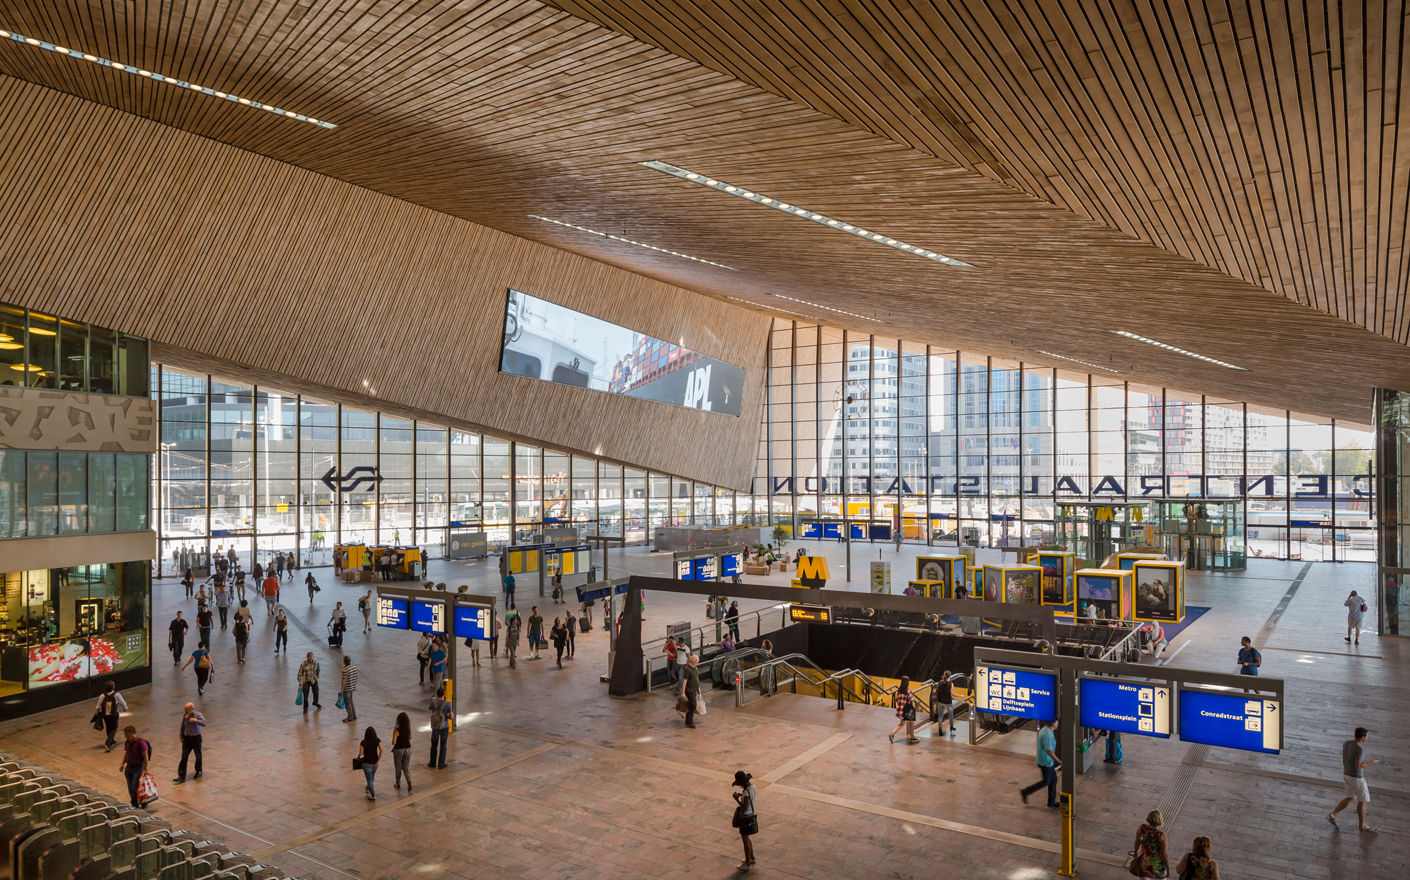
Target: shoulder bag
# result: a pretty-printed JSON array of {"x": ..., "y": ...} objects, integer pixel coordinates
[{"x": 357, "y": 763}]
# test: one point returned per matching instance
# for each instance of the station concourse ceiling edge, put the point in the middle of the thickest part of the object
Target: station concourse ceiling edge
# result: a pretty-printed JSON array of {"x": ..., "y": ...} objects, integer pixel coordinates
[{"x": 1096, "y": 165}]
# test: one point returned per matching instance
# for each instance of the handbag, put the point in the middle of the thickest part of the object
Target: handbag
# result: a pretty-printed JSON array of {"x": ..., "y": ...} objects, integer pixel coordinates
[
  {"x": 750, "y": 824},
  {"x": 147, "y": 789},
  {"x": 357, "y": 763},
  {"x": 1136, "y": 864},
  {"x": 299, "y": 697},
  {"x": 682, "y": 704}
]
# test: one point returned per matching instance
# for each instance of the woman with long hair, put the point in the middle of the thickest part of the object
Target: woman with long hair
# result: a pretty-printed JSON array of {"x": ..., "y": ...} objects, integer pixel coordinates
[
  {"x": 369, "y": 751},
  {"x": 1197, "y": 864},
  {"x": 745, "y": 817},
  {"x": 401, "y": 750},
  {"x": 1151, "y": 858},
  {"x": 906, "y": 711}
]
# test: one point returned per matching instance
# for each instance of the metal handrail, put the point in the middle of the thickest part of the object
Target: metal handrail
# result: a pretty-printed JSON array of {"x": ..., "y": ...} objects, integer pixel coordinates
[
  {"x": 820, "y": 684},
  {"x": 656, "y": 645}
]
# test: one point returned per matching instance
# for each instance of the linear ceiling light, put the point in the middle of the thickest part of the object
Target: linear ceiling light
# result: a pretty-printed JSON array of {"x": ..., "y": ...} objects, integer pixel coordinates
[
  {"x": 157, "y": 77},
  {"x": 750, "y": 302},
  {"x": 1063, "y": 357},
  {"x": 829, "y": 308},
  {"x": 650, "y": 247},
  {"x": 795, "y": 211},
  {"x": 1199, "y": 357}
]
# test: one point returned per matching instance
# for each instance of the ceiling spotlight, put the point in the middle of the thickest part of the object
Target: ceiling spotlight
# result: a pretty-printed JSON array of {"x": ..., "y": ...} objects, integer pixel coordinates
[{"x": 821, "y": 219}]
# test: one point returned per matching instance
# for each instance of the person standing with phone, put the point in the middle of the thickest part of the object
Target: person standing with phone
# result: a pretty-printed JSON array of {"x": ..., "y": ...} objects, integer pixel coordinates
[{"x": 1355, "y": 610}]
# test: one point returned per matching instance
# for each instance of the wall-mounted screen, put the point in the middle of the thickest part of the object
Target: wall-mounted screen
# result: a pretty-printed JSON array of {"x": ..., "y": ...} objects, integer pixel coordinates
[{"x": 543, "y": 340}]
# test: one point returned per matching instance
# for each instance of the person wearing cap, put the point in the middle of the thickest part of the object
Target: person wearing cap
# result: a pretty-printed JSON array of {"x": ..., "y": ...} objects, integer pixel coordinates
[{"x": 745, "y": 819}]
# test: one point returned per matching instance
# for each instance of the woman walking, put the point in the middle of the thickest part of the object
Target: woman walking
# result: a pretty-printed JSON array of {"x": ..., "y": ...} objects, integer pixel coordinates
[
  {"x": 365, "y": 606},
  {"x": 745, "y": 819},
  {"x": 204, "y": 666},
  {"x": 943, "y": 696},
  {"x": 423, "y": 654},
  {"x": 1196, "y": 864},
  {"x": 370, "y": 752},
  {"x": 906, "y": 711},
  {"x": 1151, "y": 859},
  {"x": 281, "y": 631},
  {"x": 559, "y": 635},
  {"x": 189, "y": 582},
  {"x": 401, "y": 751},
  {"x": 242, "y": 635}
]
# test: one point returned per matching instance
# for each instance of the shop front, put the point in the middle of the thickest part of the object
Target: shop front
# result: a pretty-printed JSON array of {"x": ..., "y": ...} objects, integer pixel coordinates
[{"x": 64, "y": 632}]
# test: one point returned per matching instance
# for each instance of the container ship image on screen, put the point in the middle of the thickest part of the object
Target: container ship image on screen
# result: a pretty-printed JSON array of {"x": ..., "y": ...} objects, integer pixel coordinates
[
  {"x": 647, "y": 371},
  {"x": 532, "y": 349}
]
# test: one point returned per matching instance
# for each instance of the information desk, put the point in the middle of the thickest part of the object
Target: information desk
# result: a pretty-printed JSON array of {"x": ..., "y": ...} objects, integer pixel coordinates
[
  {"x": 1022, "y": 693},
  {"x": 1125, "y": 706},
  {"x": 1251, "y": 722}
]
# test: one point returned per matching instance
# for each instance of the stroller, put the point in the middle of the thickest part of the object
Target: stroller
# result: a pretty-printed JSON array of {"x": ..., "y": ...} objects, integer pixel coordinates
[{"x": 335, "y": 635}]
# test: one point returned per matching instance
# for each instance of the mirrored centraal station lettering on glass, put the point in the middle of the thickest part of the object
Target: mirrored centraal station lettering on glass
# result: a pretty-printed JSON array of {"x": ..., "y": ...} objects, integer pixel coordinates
[{"x": 543, "y": 340}]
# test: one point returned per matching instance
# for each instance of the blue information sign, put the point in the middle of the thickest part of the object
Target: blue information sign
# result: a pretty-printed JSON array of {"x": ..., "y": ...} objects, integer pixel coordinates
[
  {"x": 685, "y": 571},
  {"x": 1233, "y": 720},
  {"x": 472, "y": 621},
  {"x": 1142, "y": 708},
  {"x": 391, "y": 612},
  {"x": 731, "y": 565},
  {"x": 704, "y": 568},
  {"x": 811, "y": 530},
  {"x": 832, "y": 530},
  {"x": 1025, "y": 693},
  {"x": 428, "y": 617}
]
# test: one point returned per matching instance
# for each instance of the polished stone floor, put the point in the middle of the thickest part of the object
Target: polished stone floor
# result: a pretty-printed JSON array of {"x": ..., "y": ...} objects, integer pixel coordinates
[{"x": 550, "y": 777}]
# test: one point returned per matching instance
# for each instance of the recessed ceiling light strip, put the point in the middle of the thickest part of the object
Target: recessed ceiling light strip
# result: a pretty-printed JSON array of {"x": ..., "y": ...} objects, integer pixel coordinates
[
  {"x": 828, "y": 308},
  {"x": 758, "y": 305},
  {"x": 806, "y": 214},
  {"x": 157, "y": 77},
  {"x": 1063, "y": 357},
  {"x": 1199, "y": 357},
  {"x": 650, "y": 247}
]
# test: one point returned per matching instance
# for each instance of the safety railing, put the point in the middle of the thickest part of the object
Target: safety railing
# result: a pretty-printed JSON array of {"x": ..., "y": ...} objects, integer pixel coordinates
[{"x": 774, "y": 617}]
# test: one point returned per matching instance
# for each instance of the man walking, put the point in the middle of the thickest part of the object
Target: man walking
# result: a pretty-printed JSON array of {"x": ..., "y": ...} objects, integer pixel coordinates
[
  {"x": 513, "y": 622},
  {"x": 339, "y": 621},
  {"x": 136, "y": 752},
  {"x": 690, "y": 688},
  {"x": 1353, "y": 751},
  {"x": 572, "y": 630},
  {"x": 271, "y": 592},
  {"x": 1249, "y": 658},
  {"x": 349, "y": 685},
  {"x": 1048, "y": 765},
  {"x": 176, "y": 637},
  {"x": 535, "y": 632},
  {"x": 1355, "y": 610},
  {"x": 192, "y": 723},
  {"x": 308, "y": 681},
  {"x": 438, "y": 663},
  {"x": 440, "y": 726},
  {"x": 204, "y": 621},
  {"x": 222, "y": 602},
  {"x": 109, "y": 705},
  {"x": 732, "y": 619}
]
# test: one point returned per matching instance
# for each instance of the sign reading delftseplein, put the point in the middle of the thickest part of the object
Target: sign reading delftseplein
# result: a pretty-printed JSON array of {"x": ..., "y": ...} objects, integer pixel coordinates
[
  {"x": 392, "y": 612},
  {"x": 1142, "y": 708},
  {"x": 1024, "y": 693},
  {"x": 1233, "y": 720}
]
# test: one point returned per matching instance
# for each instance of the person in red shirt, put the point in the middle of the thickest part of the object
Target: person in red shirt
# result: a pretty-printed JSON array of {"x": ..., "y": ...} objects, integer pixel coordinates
[
  {"x": 672, "y": 670},
  {"x": 271, "y": 592}
]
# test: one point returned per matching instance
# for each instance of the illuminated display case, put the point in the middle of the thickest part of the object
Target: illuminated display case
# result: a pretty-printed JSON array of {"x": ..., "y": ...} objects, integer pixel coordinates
[
  {"x": 1159, "y": 591},
  {"x": 1014, "y": 584},
  {"x": 1127, "y": 561},
  {"x": 1108, "y": 590},
  {"x": 947, "y": 570},
  {"x": 1058, "y": 568},
  {"x": 928, "y": 589}
]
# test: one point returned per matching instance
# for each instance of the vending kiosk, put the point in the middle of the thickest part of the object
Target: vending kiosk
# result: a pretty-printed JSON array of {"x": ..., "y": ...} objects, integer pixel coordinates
[
  {"x": 1058, "y": 588},
  {"x": 1109, "y": 590},
  {"x": 1015, "y": 584},
  {"x": 1159, "y": 591}
]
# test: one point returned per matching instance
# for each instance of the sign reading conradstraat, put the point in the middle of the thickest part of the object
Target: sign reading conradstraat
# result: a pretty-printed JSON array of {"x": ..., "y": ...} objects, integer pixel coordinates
[
  {"x": 1024, "y": 693},
  {"x": 1231, "y": 719},
  {"x": 1142, "y": 708}
]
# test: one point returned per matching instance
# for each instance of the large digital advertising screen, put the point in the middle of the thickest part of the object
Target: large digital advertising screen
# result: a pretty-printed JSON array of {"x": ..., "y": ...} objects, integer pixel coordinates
[{"x": 543, "y": 340}]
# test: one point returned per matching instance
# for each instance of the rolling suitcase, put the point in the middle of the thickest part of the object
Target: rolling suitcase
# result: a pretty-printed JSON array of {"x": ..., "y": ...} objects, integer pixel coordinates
[{"x": 584, "y": 625}]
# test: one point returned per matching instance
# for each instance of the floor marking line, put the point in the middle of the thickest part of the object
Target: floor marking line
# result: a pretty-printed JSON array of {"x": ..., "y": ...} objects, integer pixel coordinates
[
  {"x": 946, "y": 824},
  {"x": 1182, "y": 782},
  {"x": 1381, "y": 790},
  {"x": 378, "y": 812},
  {"x": 1164, "y": 660},
  {"x": 1329, "y": 653},
  {"x": 1283, "y": 603},
  {"x": 788, "y": 767}
]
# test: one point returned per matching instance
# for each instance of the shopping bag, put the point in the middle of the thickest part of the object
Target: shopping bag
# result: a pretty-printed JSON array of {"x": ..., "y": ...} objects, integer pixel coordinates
[
  {"x": 341, "y": 704},
  {"x": 146, "y": 789},
  {"x": 699, "y": 703},
  {"x": 299, "y": 697}
]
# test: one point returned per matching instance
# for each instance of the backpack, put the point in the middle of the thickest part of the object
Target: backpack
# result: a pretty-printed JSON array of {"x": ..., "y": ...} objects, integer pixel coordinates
[{"x": 110, "y": 704}]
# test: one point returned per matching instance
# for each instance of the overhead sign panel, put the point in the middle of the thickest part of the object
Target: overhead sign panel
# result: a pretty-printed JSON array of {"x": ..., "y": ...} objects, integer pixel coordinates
[
  {"x": 704, "y": 568},
  {"x": 731, "y": 564},
  {"x": 1025, "y": 693},
  {"x": 1234, "y": 720},
  {"x": 800, "y": 613},
  {"x": 473, "y": 621},
  {"x": 1142, "y": 708},
  {"x": 392, "y": 612},
  {"x": 428, "y": 617},
  {"x": 684, "y": 570}
]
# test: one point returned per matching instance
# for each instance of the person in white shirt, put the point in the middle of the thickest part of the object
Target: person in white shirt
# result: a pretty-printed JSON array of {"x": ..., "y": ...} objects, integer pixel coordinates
[{"x": 1355, "y": 610}]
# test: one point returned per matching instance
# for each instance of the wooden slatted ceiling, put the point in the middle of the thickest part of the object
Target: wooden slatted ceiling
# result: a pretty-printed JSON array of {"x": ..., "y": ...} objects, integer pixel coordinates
[
  {"x": 494, "y": 111},
  {"x": 1259, "y": 139},
  {"x": 308, "y": 283}
]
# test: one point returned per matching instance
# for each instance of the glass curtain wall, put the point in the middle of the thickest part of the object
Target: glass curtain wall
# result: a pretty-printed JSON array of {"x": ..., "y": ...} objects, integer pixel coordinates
[
  {"x": 263, "y": 472},
  {"x": 950, "y": 445}
]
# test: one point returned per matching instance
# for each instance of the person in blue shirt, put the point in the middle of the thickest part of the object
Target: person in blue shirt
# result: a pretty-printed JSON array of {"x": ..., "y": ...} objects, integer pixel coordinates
[
  {"x": 1249, "y": 659},
  {"x": 1048, "y": 764},
  {"x": 438, "y": 663}
]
